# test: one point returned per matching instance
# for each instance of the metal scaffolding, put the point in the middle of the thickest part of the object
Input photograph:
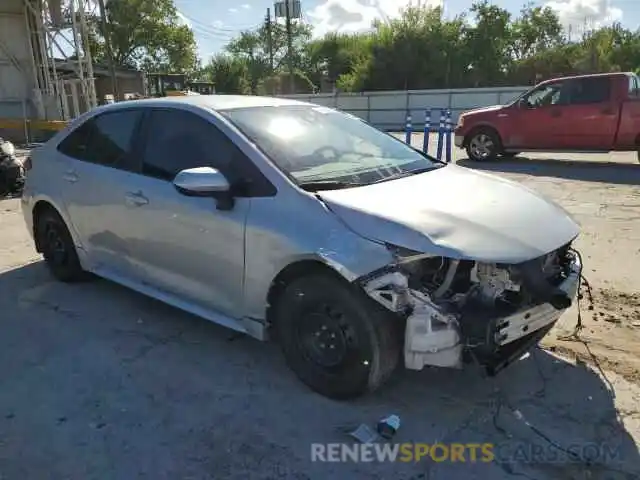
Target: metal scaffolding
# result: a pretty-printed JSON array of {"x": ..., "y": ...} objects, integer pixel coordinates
[{"x": 58, "y": 40}]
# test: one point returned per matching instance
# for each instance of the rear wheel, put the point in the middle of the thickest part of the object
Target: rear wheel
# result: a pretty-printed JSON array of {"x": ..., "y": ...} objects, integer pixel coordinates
[
  {"x": 483, "y": 145},
  {"x": 58, "y": 248},
  {"x": 337, "y": 340}
]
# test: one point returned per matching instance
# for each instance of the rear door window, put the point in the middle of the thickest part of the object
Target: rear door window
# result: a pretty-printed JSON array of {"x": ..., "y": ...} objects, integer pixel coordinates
[
  {"x": 105, "y": 140},
  {"x": 584, "y": 91}
]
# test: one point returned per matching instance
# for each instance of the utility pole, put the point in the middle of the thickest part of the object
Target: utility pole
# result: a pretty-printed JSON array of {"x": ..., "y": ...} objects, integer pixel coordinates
[
  {"x": 269, "y": 38},
  {"x": 287, "y": 9},
  {"x": 109, "y": 51}
]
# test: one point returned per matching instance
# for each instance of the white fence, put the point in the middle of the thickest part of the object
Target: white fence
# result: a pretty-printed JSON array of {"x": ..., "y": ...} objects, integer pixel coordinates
[{"x": 389, "y": 110}]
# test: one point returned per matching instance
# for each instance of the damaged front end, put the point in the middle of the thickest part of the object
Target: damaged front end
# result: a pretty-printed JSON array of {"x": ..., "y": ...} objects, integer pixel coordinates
[{"x": 462, "y": 310}]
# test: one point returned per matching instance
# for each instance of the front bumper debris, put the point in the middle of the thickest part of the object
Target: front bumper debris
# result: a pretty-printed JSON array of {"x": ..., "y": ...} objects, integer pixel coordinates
[
  {"x": 434, "y": 335},
  {"x": 523, "y": 323},
  {"x": 502, "y": 357}
]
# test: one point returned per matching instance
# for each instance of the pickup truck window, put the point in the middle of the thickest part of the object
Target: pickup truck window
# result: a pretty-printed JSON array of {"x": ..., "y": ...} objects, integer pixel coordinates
[
  {"x": 634, "y": 85},
  {"x": 544, "y": 95},
  {"x": 589, "y": 90}
]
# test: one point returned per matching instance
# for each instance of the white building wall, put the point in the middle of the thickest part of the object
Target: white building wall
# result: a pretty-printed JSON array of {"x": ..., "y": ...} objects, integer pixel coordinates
[
  {"x": 389, "y": 110},
  {"x": 16, "y": 66}
]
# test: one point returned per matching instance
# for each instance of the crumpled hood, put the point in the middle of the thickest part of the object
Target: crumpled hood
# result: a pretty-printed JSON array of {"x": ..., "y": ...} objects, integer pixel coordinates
[{"x": 456, "y": 212}]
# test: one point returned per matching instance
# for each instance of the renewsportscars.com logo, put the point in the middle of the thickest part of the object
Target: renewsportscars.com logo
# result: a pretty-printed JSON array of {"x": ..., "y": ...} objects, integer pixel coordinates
[{"x": 520, "y": 452}]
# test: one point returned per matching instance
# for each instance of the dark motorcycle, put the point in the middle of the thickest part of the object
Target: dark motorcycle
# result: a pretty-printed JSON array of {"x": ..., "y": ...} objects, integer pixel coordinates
[{"x": 12, "y": 171}]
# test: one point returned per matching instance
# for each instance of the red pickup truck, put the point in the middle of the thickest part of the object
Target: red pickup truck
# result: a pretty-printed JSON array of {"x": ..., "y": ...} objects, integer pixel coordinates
[{"x": 587, "y": 113}]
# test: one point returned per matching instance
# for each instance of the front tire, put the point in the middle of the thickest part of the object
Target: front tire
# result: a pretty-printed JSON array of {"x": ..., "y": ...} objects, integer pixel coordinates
[
  {"x": 58, "y": 248},
  {"x": 483, "y": 145},
  {"x": 338, "y": 341}
]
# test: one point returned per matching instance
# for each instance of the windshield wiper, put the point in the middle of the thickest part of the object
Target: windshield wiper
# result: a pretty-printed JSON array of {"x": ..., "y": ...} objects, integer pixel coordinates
[
  {"x": 316, "y": 185},
  {"x": 407, "y": 173}
]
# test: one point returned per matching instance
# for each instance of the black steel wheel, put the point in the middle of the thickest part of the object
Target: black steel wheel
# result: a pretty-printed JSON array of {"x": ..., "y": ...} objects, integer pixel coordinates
[
  {"x": 58, "y": 248},
  {"x": 337, "y": 340}
]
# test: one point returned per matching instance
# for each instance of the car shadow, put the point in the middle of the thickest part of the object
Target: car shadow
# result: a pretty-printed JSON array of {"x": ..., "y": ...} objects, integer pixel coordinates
[
  {"x": 586, "y": 171},
  {"x": 94, "y": 367}
]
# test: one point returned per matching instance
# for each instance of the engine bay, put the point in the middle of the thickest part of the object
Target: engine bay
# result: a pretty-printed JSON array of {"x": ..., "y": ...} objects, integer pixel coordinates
[{"x": 456, "y": 306}]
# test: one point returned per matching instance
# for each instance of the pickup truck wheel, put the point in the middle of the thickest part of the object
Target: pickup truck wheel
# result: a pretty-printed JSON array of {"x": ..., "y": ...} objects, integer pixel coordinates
[
  {"x": 483, "y": 145},
  {"x": 336, "y": 340}
]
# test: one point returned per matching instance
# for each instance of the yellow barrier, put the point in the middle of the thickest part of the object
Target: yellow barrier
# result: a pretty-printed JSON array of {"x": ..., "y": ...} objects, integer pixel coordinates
[
  {"x": 47, "y": 125},
  {"x": 10, "y": 123},
  {"x": 50, "y": 125}
]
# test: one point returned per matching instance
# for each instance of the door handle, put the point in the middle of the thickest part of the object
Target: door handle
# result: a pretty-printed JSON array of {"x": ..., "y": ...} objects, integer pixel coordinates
[
  {"x": 70, "y": 176},
  {"x": 136, "y": 199},
  {"x": 556, "y": 113}
]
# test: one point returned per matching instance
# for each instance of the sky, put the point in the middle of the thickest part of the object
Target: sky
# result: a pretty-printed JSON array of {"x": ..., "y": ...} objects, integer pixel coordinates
[{"x": 215, "y": 22}]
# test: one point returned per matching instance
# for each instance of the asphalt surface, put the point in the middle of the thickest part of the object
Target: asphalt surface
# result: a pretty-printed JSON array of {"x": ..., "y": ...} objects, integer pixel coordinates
[{"x": 98, "y": 382}]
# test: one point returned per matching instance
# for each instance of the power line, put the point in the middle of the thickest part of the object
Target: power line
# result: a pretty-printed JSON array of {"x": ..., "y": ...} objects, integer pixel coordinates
[
  {"x": 221, "y": 29},
  {"x": 216, "y": 32},
  {"x": 211, "y": 35}
]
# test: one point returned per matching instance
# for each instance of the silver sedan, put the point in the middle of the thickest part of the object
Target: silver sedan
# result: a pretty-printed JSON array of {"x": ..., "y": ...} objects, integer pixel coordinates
[{"x": 289, "y": 220}]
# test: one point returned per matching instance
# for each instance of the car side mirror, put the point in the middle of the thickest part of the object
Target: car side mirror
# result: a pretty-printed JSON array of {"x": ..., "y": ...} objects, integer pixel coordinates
[
  {"x": 205, "y": 182},
  {"x": 522, "y": 103}
]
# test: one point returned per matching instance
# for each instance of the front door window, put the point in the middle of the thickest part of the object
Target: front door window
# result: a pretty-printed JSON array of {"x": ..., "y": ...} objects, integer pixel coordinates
[{"x": 546, "y": 95}]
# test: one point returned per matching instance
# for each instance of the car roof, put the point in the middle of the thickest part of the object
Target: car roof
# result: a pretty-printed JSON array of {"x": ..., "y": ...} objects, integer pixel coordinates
[
  {"x": 213, "y": 102},
  {"x": 590, "y": 75}
]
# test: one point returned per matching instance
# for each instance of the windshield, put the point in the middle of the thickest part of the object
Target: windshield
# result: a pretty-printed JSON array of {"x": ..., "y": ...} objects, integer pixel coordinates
[{"x": 317, "y": 145}]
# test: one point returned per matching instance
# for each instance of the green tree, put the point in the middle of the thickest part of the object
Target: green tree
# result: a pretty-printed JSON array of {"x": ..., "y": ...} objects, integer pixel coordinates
[
  {"x": 489, "y": 42},
  {"x": 335, "y": 55},
  {"x": 421, "y": 49},
  {"x": 229, "y": 74},
  {"x": 250, "y": 48},
  {"x": 417, "y": 50},
  {"x": 146, "y": 34},
  {"x": 536, "y": 30},
  {"x": 258, "y": 48},
  {"x": 610, "y": 48}
]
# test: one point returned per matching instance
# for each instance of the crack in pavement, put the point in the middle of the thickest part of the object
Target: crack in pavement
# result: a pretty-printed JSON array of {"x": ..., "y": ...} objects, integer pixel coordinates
[{"x": 159, "y": 342}]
